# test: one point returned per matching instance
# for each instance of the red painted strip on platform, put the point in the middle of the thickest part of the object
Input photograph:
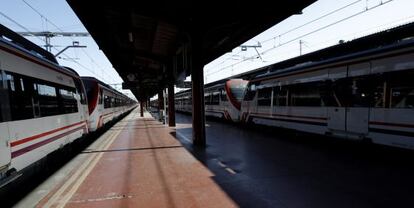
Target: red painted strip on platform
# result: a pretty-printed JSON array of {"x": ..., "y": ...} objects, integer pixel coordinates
[
  {"x": 42, "y": 143},
  {"x": 28, "y": 139}
]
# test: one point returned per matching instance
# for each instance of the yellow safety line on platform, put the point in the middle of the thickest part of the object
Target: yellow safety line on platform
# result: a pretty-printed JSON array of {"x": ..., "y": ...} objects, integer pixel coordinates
[{"x": 80, "y": 175}]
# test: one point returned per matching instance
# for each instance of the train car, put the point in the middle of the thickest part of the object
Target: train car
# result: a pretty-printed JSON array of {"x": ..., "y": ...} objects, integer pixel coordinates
[
  {"x": 222, "y": 99},
  {"x": 43, "y": 106},
  {"x": 105, "y": 103},
  {"x": 363, "y": 95}
]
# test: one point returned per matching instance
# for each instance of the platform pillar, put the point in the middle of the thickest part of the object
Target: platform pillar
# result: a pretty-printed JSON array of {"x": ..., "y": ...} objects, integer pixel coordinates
[
  {"x": 171, "y": 105},
  {"x": 161, "y": 105},
  {"x": 141, "y": 104},
  {"x": 197, "y": 81}
]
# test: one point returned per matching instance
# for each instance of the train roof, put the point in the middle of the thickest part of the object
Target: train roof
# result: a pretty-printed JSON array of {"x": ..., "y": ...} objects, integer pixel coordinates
[
  {"x": 409, "y": 43},
  {"x": 103, "y": 84},
  {"x": 18, "y": 42},
  {"x": 398, "y": 37},
  {"x": 23, "y": 43}
]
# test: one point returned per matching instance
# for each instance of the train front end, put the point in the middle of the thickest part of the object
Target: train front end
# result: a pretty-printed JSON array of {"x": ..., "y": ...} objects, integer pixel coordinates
[{"x": 235, "y": 90}]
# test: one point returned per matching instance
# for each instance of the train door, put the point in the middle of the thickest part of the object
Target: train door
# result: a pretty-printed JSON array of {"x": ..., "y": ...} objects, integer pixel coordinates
[
  {"x": 5, "y": 151},
  {"x": 357, "y": 114},
  {"x": 360, "y": 88},
  {"x": 83, "y": 108},
  {"x": 337, "y": 111},
  {"x": 224, "y": 104}
]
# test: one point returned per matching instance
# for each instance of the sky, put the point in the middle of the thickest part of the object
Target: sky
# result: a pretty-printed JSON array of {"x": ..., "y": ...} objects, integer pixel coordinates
[{"x": 320, "y": 25}]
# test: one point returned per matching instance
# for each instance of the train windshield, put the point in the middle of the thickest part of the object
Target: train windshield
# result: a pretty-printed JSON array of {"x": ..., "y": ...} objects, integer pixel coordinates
[{"x": 238, "y": 88}]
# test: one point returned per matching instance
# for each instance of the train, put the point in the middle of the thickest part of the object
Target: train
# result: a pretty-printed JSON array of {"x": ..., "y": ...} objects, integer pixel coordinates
[
  {"x": 222, "y": 99},
  {"x": 366, "y": 95},
  {"x": 45, "y": 106}
]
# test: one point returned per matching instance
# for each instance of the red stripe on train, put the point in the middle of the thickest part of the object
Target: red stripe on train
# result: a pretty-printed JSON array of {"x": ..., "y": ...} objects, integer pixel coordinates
[
  {"x": 28, "y": 139},
  {"x": 42, "y": 143}
]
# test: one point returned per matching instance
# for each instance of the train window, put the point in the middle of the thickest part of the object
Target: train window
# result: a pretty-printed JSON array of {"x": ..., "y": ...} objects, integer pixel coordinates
[
  {"x": 19, "y": 98},
  {"x": 3, "y": 99},
  {"x": 401, "y": 89},
  {"x": 215, "y": 99},
  {"x": 402, "y": 97},
  {"x": 10, "y": 82},
  {"x": 250, "y": 92},
  {"x": 361, "y": 92},
  {"x": 223, "y": 95},
  {"x": 264, "y": 97},
  {"x": 69, "y": 104},
  {"x": 100, "y": 96},
  {"x": 207, "y": 99},
  {"x": 280, "y": 96},
  {"x": 378, "y": 95},
  {"x": 327, "y": 94},
  {"x": 107, "y": 101},
  {"x": 306, "y": 95},
  {"x": 48, "y": 100},
  {"x": 21, "y": 84},
  {"x": 80, "y": 90}
]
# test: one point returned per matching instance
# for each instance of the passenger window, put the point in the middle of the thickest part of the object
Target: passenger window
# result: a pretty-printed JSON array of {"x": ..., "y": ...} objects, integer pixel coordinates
[
  {"x": 280, "y": 96},
  {"x": 69, "y": 104},
  {"x": 223, "y": 95},
  {"x": 10, "y": 82},
  {"x": 402, "y": 97},
  {"x": 48, "y": 100},
  {"x": 20, "y": 99},
  {"x": 327, "y": 94},
  {"x": 207, "y": 99},
  {"x": 402, "y": 90},
  {"x": 361, "y": 92},
  {"x": 306, "y": 95},
  {"x": 3, "y": 99},
  {"x": 101, "y": 97},
  {"x": 107, "y": 101},
  {"x": 264, "y": 97},
  {"x": 250, "y": 93},
  {"x": 80, "y": 90},
  {"x": 215, "y": 100}
]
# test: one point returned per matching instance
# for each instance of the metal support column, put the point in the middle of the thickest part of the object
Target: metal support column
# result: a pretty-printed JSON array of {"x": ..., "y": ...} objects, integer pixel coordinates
[
  {"x": 141, "y": 104},
  {"x": 197, "y": 79},
  {"x": 171, "y": 105},
  {"x": 160, "y": 105}
]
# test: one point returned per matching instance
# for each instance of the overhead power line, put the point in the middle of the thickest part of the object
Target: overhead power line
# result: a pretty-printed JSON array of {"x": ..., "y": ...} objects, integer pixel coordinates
[
  {"x": 70, "y": 36},
  {"x": 301, "y": 36},
  {"x": 312, "y": 21}
]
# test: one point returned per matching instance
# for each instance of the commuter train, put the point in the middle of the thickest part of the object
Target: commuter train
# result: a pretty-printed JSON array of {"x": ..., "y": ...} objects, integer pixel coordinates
[
  {"x": 222, "y": 100},
  {"x": 365, "y": 95},
  {"x": 44, "y": 106}
]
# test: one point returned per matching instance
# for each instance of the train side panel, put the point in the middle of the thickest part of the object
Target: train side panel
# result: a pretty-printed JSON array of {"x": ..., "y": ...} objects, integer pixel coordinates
[
  {"x": 41, "y": 96},
  {"x": 372, "y": 98}
]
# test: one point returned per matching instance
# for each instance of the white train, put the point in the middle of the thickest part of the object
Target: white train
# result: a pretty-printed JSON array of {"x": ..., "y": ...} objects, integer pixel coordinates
[
  {"x": 366, "y": 95},
  {"x": 105, "y": 103},
  {"x": 363, "y": 95},
  {"x": 222, "y": 100},
  {"x": 43, "y": 106}
]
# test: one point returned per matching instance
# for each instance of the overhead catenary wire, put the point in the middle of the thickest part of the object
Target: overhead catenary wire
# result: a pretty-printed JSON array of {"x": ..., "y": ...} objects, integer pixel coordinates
[
  {"x": 312, "y": 21},
  {"x": 27, "y": 30},
  {"x": 301, "y": 36},
  {"x": 291, "y": 30},
  {"x": 58, "y": 28}
]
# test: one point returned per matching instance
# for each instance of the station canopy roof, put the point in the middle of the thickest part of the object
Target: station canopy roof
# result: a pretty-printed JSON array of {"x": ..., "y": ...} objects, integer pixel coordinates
[{"x": 148, "y": 42}]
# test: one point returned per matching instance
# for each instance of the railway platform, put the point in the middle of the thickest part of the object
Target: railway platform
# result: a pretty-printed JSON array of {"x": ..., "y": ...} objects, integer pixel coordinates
[{"x": 136, "y": 163}]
